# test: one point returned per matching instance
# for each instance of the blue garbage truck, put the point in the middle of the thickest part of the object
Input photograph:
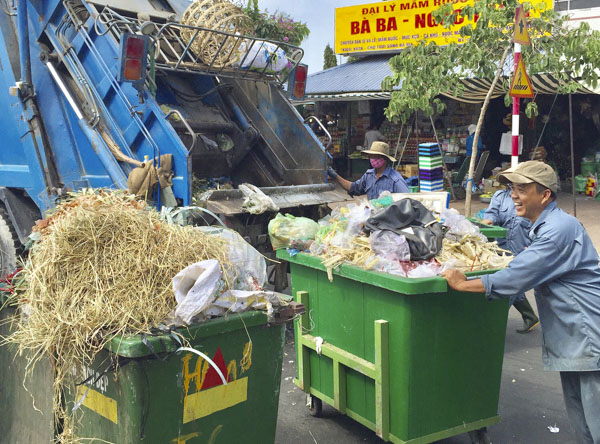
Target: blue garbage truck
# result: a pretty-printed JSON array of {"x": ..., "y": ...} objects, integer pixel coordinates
[{"x": 93, "y": 90}]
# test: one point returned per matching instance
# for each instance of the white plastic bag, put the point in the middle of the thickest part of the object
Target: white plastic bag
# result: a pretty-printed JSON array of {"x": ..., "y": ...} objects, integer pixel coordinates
[
  {"x": 195, "y": 288},
  {"x": 425, "y": 269},
  {"x": 250, "y": 271},
  {"x": 263, "y": 55},
  {"x": 255, "y": 201},
  {"x": 390, "y": 245},
  {"x": 459, "y": 225},
  {"x": 506, "y": 144},
  {"x": 357, "y": 217}
]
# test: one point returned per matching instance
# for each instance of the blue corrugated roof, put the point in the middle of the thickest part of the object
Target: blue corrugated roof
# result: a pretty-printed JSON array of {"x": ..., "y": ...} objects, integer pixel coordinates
[
  {"x": 362, "y": 79},
  {"x": 361, "y": 75}
]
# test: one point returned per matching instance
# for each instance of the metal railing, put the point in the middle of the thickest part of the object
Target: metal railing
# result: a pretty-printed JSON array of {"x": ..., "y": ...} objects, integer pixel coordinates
[{"x": 252, "y": 58}]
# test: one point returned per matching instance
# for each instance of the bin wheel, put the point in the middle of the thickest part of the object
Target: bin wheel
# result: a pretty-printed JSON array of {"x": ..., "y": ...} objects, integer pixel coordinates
[
  {"x": 314, "y": 405},
  {"x": 480, "y": 436}
]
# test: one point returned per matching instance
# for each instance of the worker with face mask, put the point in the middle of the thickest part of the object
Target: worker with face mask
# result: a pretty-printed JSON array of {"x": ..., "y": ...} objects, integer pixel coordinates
[{"x": 381, "y": 177}]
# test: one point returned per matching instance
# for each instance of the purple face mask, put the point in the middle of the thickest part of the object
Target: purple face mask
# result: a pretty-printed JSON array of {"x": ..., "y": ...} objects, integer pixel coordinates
[{"x": 377, "y": 162}]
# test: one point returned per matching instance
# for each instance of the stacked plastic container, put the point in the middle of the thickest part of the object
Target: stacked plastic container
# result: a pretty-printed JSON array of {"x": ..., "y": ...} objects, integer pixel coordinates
[{"x": 431, "y": 171}]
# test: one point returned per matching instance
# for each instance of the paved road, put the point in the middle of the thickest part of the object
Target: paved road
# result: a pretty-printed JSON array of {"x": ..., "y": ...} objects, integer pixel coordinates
[
  {"x": 530, "y": 398},
  {"x": 530, "y": 401}
]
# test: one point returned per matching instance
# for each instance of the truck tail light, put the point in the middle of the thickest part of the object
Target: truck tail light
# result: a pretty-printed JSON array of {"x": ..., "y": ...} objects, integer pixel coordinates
[
  {"x": 132, "y": 62},
  {"x": 132, "y": 70},
  {"x": 297, "y": 84}
]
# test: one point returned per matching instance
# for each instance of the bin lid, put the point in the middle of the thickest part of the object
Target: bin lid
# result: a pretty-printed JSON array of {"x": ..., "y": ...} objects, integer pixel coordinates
[
  {"x": 148, "y": 345},
  {"x": 388, "y": 281}
]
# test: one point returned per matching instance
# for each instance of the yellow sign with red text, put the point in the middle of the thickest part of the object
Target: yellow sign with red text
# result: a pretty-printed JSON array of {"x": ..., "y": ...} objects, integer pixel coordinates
[{"x": 394, "y": 25}]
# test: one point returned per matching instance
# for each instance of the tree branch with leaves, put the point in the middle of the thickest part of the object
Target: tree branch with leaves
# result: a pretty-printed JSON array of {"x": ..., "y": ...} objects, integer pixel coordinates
[{"x": 428, "y": 71}]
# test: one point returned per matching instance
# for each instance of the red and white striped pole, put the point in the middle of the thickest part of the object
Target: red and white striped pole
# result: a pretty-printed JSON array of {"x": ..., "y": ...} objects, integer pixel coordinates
[{"x": 514, "y": 161}]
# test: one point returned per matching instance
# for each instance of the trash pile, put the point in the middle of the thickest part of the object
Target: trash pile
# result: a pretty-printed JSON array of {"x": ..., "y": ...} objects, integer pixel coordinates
[
  {"x": 466, "y": 249},
  {"x": 103, "y": 264},
  {"x": 401, "y": 237}
]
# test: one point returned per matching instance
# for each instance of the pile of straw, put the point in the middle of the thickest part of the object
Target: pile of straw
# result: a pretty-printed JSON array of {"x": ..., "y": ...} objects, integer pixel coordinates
[
  {"x": 102, "y": 267},
  {"x": 359, "y": 253}
]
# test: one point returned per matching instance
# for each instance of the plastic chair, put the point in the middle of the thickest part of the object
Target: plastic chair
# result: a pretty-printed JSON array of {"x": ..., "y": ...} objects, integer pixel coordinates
[{"x": 478, "y": 174}]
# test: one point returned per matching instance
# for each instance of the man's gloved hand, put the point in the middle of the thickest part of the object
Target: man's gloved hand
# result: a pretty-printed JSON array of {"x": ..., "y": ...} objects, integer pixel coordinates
[{"x": 331, "y": 173}]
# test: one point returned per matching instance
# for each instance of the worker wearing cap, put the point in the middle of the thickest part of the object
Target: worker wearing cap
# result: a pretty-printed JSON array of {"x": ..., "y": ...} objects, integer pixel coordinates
[
  {"x": 382, "y": 177},
  {"x": 561, "y": 264},
  {"x": 501, "y": 212}
]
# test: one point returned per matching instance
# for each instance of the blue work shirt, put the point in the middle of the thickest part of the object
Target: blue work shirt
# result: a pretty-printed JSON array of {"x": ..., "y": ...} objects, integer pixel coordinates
[
  {"x": 501, "y": 212},
  {"x": 390, "y": 180},
  {"x": 469, "y": 144},
  {"x": 561, "y": 264}
]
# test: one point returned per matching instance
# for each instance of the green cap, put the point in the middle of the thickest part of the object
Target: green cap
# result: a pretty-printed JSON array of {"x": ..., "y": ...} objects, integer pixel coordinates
[{"x": 529, "y": 172}]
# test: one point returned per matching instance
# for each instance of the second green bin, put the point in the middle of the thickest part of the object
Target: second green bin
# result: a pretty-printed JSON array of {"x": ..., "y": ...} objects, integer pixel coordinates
[{"x": 408, "y": 358}]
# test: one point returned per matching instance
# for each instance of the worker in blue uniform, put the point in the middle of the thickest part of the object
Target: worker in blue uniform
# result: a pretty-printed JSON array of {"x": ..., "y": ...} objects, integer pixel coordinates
[
  {"x": 382, "y": 177},
  {"x": 470, "y": 139},
  {"x": 501, "y": 212},
  {"x": 561, "y": 265}
]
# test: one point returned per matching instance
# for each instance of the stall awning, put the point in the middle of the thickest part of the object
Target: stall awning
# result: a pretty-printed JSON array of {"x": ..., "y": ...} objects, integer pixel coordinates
[{"x": 361, "y": 80}]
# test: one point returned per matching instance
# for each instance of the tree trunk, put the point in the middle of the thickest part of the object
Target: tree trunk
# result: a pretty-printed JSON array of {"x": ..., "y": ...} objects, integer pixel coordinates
[{"x": 484, "y": 107}]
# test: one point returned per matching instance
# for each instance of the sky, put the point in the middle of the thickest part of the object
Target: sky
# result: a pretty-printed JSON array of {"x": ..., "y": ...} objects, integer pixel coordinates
[{"x": 319, "y": 16}]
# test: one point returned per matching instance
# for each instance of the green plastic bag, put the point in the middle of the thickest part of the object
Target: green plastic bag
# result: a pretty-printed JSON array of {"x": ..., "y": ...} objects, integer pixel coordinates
[
  {"x": 580, "y": 182},
  {"x": 292, "y": 232}
]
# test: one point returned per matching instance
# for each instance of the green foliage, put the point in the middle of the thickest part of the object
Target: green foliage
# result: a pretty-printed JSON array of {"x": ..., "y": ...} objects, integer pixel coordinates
[
  {"x": 427, "y": 70},
  {"x": 276, "y": 26},
  {"x": 329, "y": 60}
]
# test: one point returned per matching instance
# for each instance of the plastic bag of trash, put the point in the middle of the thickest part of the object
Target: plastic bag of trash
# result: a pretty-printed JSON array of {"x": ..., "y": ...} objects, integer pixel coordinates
[
  {"x": 428, "y": 268},
  {"x": 195, "y": 288},
  {"x": 384, "y": 200},
  {"x": 459, "y": 225},
  {"x": 292, "y": 232},
  {"x": 263, "y": 55},
  {"x": 250, "y": 267},
  {"x": 355, "y": 222},
  {"x": 412, "y": 219},
  {"x": 390, "y": 245},
  {"x": 255, "y": 201},
  {"x": 390, "y": 266}
]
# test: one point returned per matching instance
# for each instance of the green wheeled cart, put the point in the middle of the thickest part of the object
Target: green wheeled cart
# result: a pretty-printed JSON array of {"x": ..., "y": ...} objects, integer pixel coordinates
[
  {"x": 225, "y": 389},
  {"x": 409, "y": 358}
]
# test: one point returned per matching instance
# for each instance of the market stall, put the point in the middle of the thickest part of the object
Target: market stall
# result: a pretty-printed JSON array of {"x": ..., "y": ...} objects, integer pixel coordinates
[
  {"x": 355, "y": 87},
  {"x": 350, "y": 106}
]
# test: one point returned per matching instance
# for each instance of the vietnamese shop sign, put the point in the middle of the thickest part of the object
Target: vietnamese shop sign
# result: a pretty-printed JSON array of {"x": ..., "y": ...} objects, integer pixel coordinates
[{"x": 393, "y": 25}]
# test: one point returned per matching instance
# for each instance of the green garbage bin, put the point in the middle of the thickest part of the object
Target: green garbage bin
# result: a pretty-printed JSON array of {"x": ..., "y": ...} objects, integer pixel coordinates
[
  {"x": 20, "y": 422},
  {"x": 490, "y": 231},
  {"x": 161, "y": 395},
  {"x": 409, "y": 358}
]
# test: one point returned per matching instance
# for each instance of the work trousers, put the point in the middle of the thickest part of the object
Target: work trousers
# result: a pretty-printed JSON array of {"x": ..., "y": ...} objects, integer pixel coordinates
[{"x": 582, "y": 399}]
